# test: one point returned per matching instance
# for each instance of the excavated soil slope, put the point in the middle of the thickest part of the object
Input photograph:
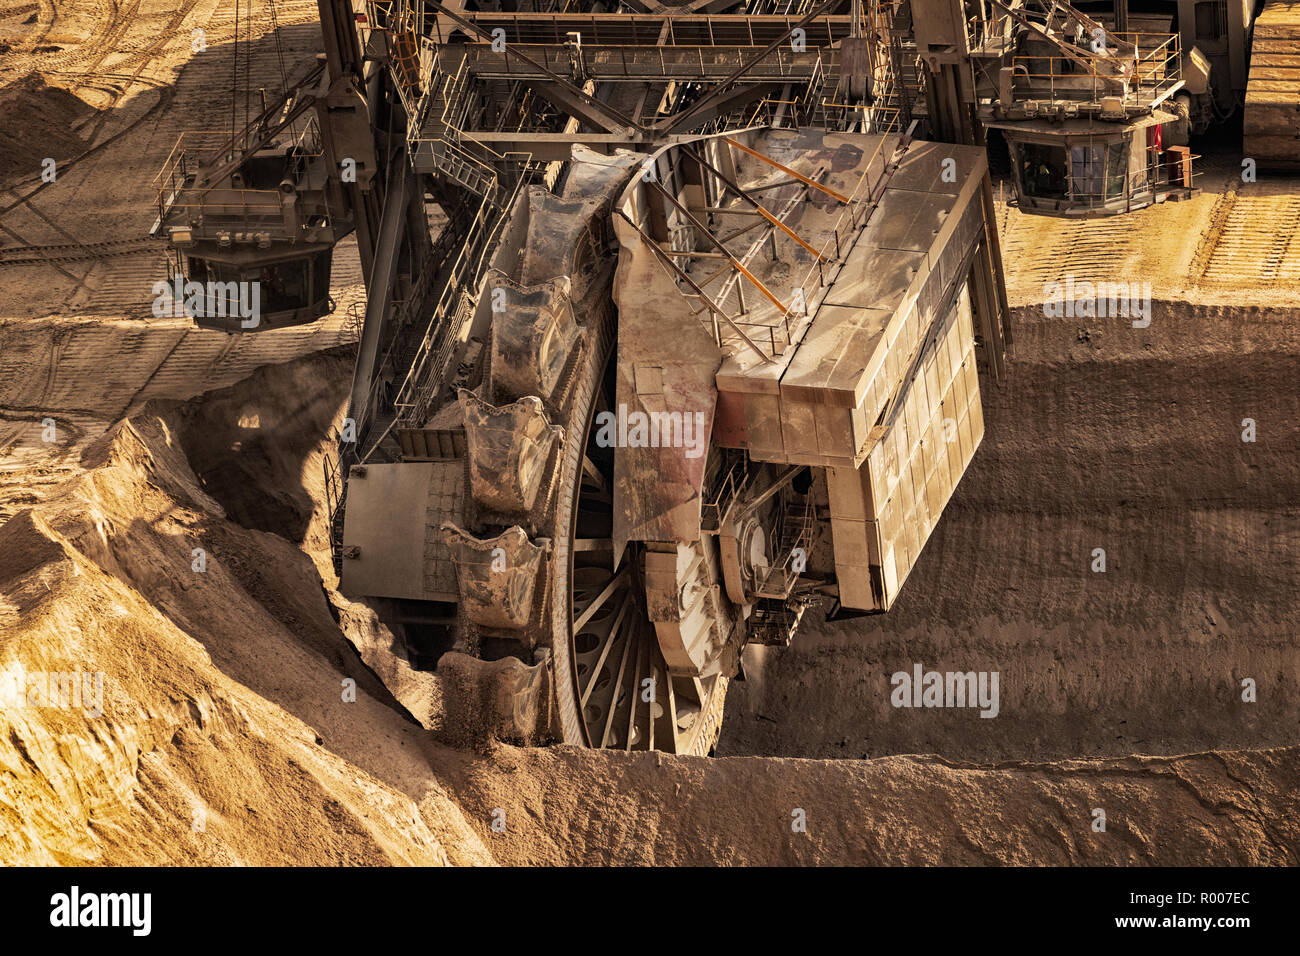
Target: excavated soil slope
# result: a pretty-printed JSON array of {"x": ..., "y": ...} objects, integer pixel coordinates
[
  {"x": 225, "y": 732},
  {"x": 225, "y": 736}
]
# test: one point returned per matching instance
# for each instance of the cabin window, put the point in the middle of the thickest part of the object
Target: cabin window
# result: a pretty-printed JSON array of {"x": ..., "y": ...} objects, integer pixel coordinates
[
  {"x": 1212, "y": 22},
  {"x": 1097, "y": 172},
  {"x": 1043, "y": 171},
  {"x": 285, "y": 285}
]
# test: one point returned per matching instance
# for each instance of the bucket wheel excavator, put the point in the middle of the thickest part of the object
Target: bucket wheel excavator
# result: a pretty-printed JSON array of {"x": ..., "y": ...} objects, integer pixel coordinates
[{"x": 695, "y": 351}]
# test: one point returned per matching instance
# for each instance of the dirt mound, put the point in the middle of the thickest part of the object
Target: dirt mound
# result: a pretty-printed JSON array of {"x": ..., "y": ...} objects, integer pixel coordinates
[
  {"x": 565, "y": 806},
  {"x": 38, "y": 121},
  {"x": 225, "y": 731}
]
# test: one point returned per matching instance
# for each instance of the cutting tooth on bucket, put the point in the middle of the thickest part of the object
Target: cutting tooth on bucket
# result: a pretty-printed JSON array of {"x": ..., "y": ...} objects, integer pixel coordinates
[{"x": 568, "y": 237}]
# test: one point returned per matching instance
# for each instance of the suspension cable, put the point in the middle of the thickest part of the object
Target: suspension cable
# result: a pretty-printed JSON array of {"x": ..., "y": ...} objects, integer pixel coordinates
[{"x": 234, "y": 83}]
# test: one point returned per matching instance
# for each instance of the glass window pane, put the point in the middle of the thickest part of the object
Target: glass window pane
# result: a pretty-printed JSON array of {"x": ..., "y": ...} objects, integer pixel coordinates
[
  {"x": 1043, "y": 171},
  {"x": 284, "y": 285},
  {"x": 1116, "y": 170},
  {"x": 1087, "y": 172}
]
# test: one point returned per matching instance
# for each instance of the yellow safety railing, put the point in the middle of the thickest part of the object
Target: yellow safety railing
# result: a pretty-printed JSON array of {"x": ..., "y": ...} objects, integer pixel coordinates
[
  {"x": 1153, "y": 69},
  {"x": 196, "y": 150}
]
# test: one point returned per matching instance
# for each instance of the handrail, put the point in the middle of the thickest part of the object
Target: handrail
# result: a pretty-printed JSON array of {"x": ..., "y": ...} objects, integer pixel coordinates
[
  {"x": 192, "y": 149},
  {"x": 413, "y": 396},
  {"x": 1144, "y": 76},
  {"x": 836, "y": 243},
  {"x": 651, "y": 61},
  {"x": 623, "y": 27}
]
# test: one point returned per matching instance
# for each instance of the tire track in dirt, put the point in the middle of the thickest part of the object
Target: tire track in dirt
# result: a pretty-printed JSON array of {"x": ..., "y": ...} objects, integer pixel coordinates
[
  {"x": 121, "y": 287},
  {"x": 1258, "y": 242}
]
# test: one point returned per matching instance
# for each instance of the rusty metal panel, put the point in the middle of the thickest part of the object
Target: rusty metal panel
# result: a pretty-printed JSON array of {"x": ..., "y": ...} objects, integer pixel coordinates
[
  {"x": 666, "y": 363},
  {"x": 939, "y": 23},
  {"x": 763, "y": 423}
]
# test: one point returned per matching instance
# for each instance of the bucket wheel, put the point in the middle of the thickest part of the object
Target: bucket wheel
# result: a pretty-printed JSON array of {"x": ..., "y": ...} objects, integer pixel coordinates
[{"x": 612, "y": 686}]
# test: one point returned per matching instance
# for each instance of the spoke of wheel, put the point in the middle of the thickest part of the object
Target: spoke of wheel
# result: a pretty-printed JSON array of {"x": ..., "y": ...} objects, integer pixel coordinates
[
  {"x": 636, "y": 688},
  {"x": 592, "y": 474},
  {"x": 672, "y": 710},
  {"x": 699, "y": 692},
  {"x": 605, "y": 648},
  {"x": 599, "y": 601},
  {"x": 592, "y": 496},
  {"x": 650, "y": 704},
  {"x": 602, "y": 403},
  {"x": 618, "y": 682}
]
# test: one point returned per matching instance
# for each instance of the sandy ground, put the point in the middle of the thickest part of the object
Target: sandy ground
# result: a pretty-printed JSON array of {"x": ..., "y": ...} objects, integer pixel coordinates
[
  {"x": 565, "y": 806},
  {"x": 233, "y": 725},
  {"x": 226, "y": 736}
]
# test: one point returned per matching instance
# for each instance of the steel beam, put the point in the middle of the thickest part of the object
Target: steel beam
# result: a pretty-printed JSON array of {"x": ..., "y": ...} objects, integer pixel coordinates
[
  {"x": 759, "y": 208},
  {"x": 722, "y": 87},
  {"x": 379, "y": 292}
]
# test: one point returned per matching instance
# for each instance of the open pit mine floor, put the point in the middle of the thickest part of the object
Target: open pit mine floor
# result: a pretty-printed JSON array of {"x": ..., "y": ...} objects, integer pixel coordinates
[{"x": 252, "y": 696}]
